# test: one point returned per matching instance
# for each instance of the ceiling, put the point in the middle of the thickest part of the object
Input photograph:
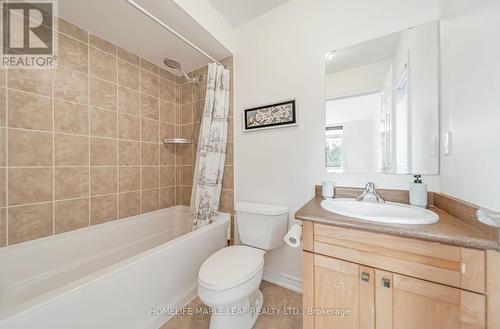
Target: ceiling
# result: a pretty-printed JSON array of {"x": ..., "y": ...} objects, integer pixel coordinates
[
  {"x": 238, "y": 12},
  {"x": 365, "y": 53},
  {"x": 123, "y": 25}
]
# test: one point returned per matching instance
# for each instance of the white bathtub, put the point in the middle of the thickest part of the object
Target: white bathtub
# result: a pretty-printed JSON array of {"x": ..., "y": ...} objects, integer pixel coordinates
[{"x": 107, "y": 276}]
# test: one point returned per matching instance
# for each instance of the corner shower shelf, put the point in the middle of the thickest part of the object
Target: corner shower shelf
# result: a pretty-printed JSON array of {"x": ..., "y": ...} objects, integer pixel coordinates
[{"x": 177, "y": 141}]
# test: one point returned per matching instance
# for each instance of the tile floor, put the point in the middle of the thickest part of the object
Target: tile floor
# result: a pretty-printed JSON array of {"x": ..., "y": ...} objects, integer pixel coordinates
[{"x": 275, "y": 298}]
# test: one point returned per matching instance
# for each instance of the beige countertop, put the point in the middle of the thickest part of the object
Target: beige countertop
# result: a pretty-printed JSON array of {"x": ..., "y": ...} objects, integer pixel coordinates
[{"x": 448, "y": 229}]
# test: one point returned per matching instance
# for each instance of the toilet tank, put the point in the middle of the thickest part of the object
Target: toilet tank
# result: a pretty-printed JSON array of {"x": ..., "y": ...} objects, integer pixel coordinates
[{"x": 261, "y": 225}]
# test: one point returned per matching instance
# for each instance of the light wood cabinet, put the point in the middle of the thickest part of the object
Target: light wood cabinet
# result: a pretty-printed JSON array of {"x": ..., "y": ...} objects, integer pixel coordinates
[{"x": 373, "y": 293}]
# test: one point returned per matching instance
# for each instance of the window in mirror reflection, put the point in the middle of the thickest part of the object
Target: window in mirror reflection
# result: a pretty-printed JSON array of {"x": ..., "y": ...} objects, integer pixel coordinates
[{"x": 383, "y": 94}]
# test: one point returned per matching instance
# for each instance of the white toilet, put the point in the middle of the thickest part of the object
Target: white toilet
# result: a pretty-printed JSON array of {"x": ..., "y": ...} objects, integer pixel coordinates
[{"x": 229, "y": 280}]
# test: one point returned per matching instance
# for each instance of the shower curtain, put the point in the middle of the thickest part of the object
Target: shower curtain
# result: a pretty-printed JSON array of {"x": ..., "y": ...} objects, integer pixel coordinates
[{"x": 211, "y": 153}]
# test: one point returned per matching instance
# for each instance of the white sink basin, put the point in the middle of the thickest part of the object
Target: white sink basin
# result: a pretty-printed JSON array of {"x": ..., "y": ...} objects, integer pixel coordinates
[{"x": 389, "y": 212}]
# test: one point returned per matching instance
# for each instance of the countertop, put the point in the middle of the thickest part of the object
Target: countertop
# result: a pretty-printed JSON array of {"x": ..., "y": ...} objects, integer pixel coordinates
[{"x": 448, "y": 229}]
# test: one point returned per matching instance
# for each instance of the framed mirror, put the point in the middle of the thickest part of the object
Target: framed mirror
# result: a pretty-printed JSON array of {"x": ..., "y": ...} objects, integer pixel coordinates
[{"x": 382, "y": 104}]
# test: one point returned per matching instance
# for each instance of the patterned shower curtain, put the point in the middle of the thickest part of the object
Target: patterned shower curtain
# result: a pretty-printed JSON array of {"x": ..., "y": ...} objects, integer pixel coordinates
[{"x": 211, "y": 153}]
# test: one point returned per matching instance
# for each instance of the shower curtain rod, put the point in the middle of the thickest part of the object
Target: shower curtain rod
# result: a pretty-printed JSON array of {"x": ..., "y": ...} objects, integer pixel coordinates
[{"x": 171, "y": 30}]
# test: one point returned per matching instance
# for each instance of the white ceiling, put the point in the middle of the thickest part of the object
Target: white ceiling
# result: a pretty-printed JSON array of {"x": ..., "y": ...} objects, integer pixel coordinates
[
  {"x": 365, "y": 53},
  {"x": 121, "y": 24},
  {"x": 238, "y": 12}
]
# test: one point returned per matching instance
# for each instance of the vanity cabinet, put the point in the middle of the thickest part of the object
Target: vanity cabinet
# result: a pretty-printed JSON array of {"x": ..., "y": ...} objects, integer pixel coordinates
[{"x": 362, "y": 280}]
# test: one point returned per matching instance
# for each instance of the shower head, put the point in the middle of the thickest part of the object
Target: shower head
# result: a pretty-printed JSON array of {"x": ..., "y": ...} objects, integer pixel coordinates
[
  {"x": 175, "y": 65},
  {"x": 172, "y": 63}
]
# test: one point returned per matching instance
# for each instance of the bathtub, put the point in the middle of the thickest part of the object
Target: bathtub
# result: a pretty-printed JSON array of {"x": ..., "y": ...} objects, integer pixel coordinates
[{"x": 123, "y": 274}]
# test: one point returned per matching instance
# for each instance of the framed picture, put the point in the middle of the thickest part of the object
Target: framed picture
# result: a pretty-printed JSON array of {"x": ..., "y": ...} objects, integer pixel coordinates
[{"x": 270, "y": 116}]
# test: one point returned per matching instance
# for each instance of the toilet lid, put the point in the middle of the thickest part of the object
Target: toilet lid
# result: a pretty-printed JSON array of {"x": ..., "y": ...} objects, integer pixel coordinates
[{"x": 230, "y": 267}]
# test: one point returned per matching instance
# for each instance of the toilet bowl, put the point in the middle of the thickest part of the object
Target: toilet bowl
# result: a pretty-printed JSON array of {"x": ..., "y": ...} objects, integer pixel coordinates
[{"x": 229, "y": 280}]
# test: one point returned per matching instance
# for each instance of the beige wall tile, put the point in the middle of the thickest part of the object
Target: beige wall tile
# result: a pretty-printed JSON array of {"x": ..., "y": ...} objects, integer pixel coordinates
[
  {"x": 3, "y": 146},
  {"x": 71, "y": 215},
  {"x": 166, "y": 90},
  {"x": 187, "y": 113},
  {"x": 129, "y": 101},
  {"x": 150, "y": 153},
  {"x": 29, "y": 148},
  {"x": 3, "y": 173},
  {"x": 229, "y": 154},
  {"x": 3, "y": 108},
  {"x": 73, "y": 54},
  {"x": 128, "y": 75},
  {"x": 29, "y": 185},
  {"x": 150, "y": 200},
  {"x": 150, "y": 177},
  {"x": 166, "y": 75},
  {"x": 148, "y": 66},
  {"x": 103, "y": 123},
  {"x": 33, "y": 81},
  {"x": 129, "y": 127},
  {"x": 102, "y": 44},
  {"x": 187, "y": 94},
  {"x": 227, "y": 201},
  {"x": 129, "y": 153},
  {"x": 184, "y": 175},
  {"x": 103, "y": 180},
  {"x": 150, "y": 130},
  {"x": 130, "y": 179},
  {"x": 187, "y": 131},
  {"x": 3, "y": 77},
  {"x": 130, "y": 204},
  {"x": 185, "y": 155},
  {"x": 167, "y": 112},
  {"x": 230, "y": 128},
  {"x": 150, "y": 107},
  {"x": 3, "y": 227},
  {"x": 167, "y": 197},
  {"x": 103, "y": 209},
  {"x": 167, "y": 153},
  {"x": 103, "y": 152},
  {"x": 71, "y": 182},
  {"x": 102, "y": 65},
  {"x": 127, "y": 56},
  {"x": 103, "y": 94},
  {"x": 30, "y": 222},
  {"x": 228, "y": 178},
  {"x": 29, "y": 111},
  {"x": 177, "y": 94},
  {"x": 167, "y": 176},
  {"x": 183, "y": 195},
  {"x": 149, "y": 83},
  {"x": 72, "y": 30},
  {"x": 71, "y": 117},
  {"x": 71, "y": 85},
  {"x": 167, "y": 130},
  {"x": 71, "y": 150}
]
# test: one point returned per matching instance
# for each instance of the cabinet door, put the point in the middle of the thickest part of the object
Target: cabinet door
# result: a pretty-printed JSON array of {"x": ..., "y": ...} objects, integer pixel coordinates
[
  {"x": 344, "y": 295},
  {"x": 407, "y": 303}
]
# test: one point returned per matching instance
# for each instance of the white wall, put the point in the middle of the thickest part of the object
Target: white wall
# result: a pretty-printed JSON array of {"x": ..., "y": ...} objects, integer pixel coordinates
[
  {"x": 471, "y": 100},
  {"x": 360, "y": 80},
  {"x": 281, "y": 55}
]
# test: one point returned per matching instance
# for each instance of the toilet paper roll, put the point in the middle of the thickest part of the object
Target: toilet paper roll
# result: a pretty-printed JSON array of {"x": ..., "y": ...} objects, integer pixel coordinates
[{"x": 292, "y": 238}]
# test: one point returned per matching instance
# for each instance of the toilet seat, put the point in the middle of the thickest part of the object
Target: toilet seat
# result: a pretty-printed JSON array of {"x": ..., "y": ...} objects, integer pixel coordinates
[{"x": 230, "y": 267}]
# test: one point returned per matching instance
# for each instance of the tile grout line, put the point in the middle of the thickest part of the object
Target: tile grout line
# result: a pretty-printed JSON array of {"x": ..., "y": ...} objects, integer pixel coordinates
[
  {"x": 53, "y": 156},
  {"x": 117, "y": 126}
]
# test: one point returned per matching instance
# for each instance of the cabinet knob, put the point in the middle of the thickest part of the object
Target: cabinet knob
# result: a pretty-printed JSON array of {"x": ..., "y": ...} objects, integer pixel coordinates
[
  {"x": 365, "y": 276},
  {"x": 386, "y": 283}
]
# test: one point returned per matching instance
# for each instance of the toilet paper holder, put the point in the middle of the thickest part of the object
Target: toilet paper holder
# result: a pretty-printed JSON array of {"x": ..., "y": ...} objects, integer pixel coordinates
[{"x": 294, "y": 236}]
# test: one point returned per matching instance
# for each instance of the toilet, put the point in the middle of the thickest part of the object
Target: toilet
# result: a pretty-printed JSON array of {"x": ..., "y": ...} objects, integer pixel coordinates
[{"x": 229, "y": 280}]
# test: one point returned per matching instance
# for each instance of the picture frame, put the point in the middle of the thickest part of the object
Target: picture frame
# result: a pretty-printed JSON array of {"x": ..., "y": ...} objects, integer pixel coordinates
[{"x": 276, "y": 115}]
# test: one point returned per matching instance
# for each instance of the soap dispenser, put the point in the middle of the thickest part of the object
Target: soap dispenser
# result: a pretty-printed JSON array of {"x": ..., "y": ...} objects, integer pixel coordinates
[{"x": 418, "y": 192}]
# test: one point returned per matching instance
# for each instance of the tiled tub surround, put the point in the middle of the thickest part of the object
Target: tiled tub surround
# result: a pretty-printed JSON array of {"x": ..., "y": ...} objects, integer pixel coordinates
[{"x": 82, "y": 144}]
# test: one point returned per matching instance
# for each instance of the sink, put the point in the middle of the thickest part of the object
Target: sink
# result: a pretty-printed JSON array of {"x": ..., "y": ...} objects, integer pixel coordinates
[{"x": 389, "y": 212}]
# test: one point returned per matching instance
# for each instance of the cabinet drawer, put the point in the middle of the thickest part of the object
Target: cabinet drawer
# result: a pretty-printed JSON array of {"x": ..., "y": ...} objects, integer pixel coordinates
[{"x": 450, "y": 265}]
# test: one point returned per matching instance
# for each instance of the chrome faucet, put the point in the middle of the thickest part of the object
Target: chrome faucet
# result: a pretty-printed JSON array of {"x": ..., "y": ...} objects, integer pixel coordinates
[{"x": 370, "y": 194}]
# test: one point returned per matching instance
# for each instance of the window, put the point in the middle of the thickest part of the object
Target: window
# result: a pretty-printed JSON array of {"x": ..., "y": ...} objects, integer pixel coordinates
[{"x": 333, "y": 149}]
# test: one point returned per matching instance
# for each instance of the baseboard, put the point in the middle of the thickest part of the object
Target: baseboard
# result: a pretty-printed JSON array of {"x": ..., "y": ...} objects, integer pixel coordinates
[{"x": 284, "y": 280}]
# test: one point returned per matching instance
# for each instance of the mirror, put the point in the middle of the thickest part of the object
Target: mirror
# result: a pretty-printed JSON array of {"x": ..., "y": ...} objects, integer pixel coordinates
[{"x": 382, "y": 104}]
